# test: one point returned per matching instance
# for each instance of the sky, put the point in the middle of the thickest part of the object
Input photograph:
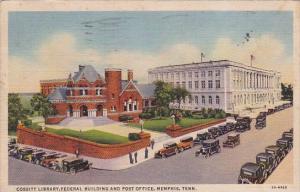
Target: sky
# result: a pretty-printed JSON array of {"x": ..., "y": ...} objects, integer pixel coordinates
[{"x": 49, "y": 45}]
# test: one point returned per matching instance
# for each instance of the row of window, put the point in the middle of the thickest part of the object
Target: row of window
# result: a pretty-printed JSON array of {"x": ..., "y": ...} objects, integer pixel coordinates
[
  {"x": 203, "y": 99},
  {"x": 183, "y": 74},
  {"x": 203, "y": 84}
]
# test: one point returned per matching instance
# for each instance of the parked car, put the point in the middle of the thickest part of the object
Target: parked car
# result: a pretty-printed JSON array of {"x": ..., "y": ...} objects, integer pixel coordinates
[
  {"x": 252, "y": 173},
  {"x": 209, "y": 147},
  {"x": 289, "y": 136},
  {"x": 48, "y": 158},
  {"x": 223, "y": 129},
  {"x": 284, "y": 144},
  {"x": 260, "y": 121},
  {"x": 25, "y": 154},
  {"x": 276, "y": 151},
  {"x": 291, "y": 130},
  {"x": 270, "y": 111},
  {"x": 73, "y": 165},
  {"x": 202, "y": 137},
  {"x": 230, "y": 126},
  {"x": 267, "y": 161},
  {"x": 243, "y": 124},
  {"x": 37, "y": 156},
  {"x": 233, "y": 140},
  {"x": 215, "y": 132},
  {"x": 185, "y": 143},
  {"x": 168, "y": 149},
  {"x": 57, "y": 164}
]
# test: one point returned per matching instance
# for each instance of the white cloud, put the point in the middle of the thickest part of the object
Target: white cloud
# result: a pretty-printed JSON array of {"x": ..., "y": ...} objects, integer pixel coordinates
[
  {"x": 60, "y": 54},
  {"x": 268, "y": 51}
]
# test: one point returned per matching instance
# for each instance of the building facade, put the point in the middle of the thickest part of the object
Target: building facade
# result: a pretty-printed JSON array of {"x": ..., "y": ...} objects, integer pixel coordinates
[
  {"x": 222, "y": 84},
  {"x": 87, "y": 93}
]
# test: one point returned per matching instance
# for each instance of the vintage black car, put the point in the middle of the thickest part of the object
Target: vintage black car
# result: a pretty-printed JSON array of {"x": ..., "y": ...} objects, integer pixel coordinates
[
  {"x": 12, "y": 143},
  {"x": 270, "y": 111},
  {"x": 36, "y": 157},
  {"x": 260, "y": 121},
  {"x": 215, "y": 132},
  {"x": 233, "y": 140},
  {"x": 276, "y": 151},
  {"x": 202, "y": 137},
  {"x": 243, "y": 124},
  {"x": 266, "y": 160},
  {"x": 223, "y": 129},
  {"x": 168, "y": 149},
  {"x": 284, "y": 144},
  {"x": 73, "y": 165},
  {"x": 24, "y": 153},
  {"x": 208, "y": 148},
  {"x": 291, "y": 130},
  {"x": 289, "y": 136},
  {"x": 252, "y": 173},
  {"x": 230, "y": 126}
]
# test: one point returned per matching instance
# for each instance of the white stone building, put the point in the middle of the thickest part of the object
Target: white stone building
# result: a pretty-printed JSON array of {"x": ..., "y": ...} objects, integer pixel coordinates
[{"x": 222, "y": 84}]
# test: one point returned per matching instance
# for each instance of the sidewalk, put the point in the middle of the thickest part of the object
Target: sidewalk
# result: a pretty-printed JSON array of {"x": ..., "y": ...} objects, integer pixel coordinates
[{"x": 283, "y": 174}]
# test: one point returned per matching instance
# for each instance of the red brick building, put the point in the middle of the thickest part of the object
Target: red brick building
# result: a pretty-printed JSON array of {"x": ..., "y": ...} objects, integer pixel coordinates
[{"x": 87, "y": 93}]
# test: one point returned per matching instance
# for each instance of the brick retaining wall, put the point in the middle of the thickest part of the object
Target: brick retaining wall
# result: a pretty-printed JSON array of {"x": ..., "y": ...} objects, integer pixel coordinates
[
  {"x": 69, "y": 144},
  {"x": 176, "y": 131}
]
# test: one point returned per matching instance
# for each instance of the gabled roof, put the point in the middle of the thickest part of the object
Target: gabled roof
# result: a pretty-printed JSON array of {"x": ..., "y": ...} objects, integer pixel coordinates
[
  {"x": 88, "y": 72},
  {"x": 145, "y": 90},
  {"x": 58, "y": 94}
]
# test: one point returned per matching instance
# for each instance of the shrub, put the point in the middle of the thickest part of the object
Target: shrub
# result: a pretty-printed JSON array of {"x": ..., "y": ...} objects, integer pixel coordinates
[
  {"x": 133, "y": 136},
  {"x": 187, "y": 114},
  {"x": 125, "y": 118},
  {"x": 198, "y": 117},
  {"x": 220, "y": 115},
  {"x": 165, "y": 112},
  {"x": 145, "y": 115},
  {"x": 27, "y": 123}
]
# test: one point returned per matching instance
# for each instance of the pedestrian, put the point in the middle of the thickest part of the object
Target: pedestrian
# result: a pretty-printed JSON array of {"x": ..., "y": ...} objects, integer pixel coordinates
[
  {"x": 152, "y": 143},
  {"x": 135, "y": 157},
  {"x": 130, "y": 158},
  {"x": 77, "y": 152},
  {"x": 146, "y": 153}
]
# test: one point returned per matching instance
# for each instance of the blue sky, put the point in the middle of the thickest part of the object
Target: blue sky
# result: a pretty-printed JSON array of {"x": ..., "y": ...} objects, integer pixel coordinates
[
  {"x": 147, "y": 31},
  {"x": 49, "y": 45}
]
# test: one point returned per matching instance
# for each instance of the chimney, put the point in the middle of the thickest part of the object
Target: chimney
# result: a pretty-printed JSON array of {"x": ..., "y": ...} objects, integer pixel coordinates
[{"x": 129, "y": 75}]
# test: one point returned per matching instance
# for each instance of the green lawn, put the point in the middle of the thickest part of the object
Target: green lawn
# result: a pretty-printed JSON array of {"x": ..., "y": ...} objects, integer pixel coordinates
[
  {"x": 91, "y": 135},
  {"x": 161, "y": 124}
]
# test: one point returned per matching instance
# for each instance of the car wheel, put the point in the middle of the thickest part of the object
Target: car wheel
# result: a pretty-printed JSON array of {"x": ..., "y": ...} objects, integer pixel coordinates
[
  {"x": 164, "y": 156},
  {"x": 72, "y": 171}
]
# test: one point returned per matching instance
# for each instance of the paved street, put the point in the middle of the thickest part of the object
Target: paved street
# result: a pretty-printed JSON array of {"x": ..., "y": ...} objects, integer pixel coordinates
[{"x": 183, "y": 168}]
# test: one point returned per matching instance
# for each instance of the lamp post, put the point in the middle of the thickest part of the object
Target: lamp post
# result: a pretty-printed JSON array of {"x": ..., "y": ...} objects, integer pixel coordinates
[{"x": 173, "y": 119}]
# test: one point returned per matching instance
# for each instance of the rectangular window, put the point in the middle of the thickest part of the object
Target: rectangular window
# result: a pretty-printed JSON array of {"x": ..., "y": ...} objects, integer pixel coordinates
[
  {"x": 183, "y": 75},
  {"x": 190, "y": 84},
  {"x": 85, "y": 92},
  {"x": 196, "y": 84},
  {"x": 196, "y": 74},
  {"x": 172, "y": 76},
  {"x": 190, "y": 99},
  {"x": 203, "y": 99},
  {"x": 218, "y": 73},
  {"x": 217, "y": 100},
  {"x": 203, "y": 84},
  {"x": 177, "y": 75},
  {"x": 218, "y": 84},
  {"x": 190, "y": 74},
  {"x": 210, "y": 73},
  {"x": 202, "y": 73},
  {"x": 210, "y": 84}
]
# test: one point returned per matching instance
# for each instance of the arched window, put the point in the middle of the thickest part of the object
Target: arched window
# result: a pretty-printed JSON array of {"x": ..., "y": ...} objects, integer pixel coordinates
[{"x": 217, "y": 99}]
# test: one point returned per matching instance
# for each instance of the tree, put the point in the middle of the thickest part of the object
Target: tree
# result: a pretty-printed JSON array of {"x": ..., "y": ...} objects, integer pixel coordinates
[
  {"x": 42, "y": 105},
  {"x": 287, "y": 92},
  {"x": 163, "y": 95},
  {"x": 16, "y": 111},
  {"x": 180, "y": 93}
]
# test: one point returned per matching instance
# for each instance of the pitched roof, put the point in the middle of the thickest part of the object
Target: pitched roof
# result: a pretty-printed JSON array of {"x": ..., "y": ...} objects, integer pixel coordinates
[
  {"x": 147, "y": 90},
  {"x": 88, "y": 72},
  {"x": 58, "y": 94}
]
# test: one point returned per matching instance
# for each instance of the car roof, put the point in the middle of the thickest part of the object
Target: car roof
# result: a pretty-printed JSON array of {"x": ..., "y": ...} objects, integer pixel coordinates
[
  {"x": 264, "y": 155},
  {"x": 170, "y": 143},
  {"x": 210, "y": 141},
  {"x": 233, "y": 134},
  {"x": 250, "y": 167},
  {"x": 185, "y": 138},
  {"x": 272, "y": 147},
  {"x": 283, "y": 139},
  {"x": 71, "y": 159}
]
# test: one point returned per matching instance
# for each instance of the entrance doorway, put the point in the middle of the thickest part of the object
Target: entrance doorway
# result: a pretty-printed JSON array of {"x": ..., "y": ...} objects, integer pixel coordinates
[
  {"x": 70, "y": 111},
  {"x": 99, "y": 110},
  {"x": 83, "y": 111}
]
